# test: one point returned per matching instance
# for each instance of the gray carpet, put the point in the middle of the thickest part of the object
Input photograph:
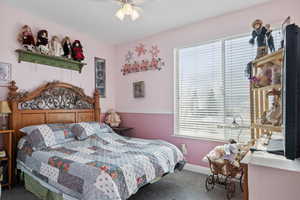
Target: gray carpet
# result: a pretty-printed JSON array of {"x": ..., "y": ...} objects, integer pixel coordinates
[{"x": 179, "y": 186}]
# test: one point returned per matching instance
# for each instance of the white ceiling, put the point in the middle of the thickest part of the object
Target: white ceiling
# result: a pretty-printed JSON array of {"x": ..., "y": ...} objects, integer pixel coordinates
[{"x": 96, "y": 17}]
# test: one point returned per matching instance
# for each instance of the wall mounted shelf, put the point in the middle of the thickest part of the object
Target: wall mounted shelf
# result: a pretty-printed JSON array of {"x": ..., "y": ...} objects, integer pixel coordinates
[{"x": 54, "y": 61}]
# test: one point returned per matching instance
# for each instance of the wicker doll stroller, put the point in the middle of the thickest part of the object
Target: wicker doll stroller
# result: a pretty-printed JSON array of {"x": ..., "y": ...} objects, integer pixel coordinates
[{"x": 224, "y": 172}]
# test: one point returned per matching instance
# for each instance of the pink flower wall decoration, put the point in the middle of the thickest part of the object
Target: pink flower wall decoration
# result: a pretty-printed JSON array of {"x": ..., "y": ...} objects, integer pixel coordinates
[
  {"x": 142, "y": 59},
  {"x": 129, "y": 56},
  {"x": 140, "y": 50},
  {"x": 154, "y": 51}
]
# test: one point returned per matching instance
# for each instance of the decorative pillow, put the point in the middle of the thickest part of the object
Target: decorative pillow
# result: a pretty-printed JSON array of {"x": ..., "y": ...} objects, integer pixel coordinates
[
  {"x": 83, "y": 130},
  {"x": 47, "y": 135}
]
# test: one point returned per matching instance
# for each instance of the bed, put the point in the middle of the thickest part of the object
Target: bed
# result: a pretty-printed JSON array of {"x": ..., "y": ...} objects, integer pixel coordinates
[{"x": 67, "y": 150}]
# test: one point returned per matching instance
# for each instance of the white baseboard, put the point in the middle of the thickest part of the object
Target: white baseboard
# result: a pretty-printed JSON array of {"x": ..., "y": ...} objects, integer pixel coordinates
[{"x": 197, "y": 169}]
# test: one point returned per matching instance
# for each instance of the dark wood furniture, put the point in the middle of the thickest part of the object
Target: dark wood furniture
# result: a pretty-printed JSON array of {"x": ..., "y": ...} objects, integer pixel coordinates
[
  {"x": 8, "y": 147},
  {"x": 26, "y": 110},
  {"x": 122, "y": 130}
]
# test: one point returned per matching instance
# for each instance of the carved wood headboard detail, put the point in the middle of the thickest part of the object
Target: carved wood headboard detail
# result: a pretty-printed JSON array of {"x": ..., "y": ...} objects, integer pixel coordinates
[{"x": 53, "y": 102}]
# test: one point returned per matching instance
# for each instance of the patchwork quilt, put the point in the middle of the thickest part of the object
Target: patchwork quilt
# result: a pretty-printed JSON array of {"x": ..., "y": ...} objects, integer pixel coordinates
[{"x": 105, "y": 166}]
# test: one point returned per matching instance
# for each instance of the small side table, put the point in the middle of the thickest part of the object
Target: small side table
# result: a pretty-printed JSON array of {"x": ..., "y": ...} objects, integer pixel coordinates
[
  {"x": 8, "y": 145},
  {"x": 122, "y": 130}
]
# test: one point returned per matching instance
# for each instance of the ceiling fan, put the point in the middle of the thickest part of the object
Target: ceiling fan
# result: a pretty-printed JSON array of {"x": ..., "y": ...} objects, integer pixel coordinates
[{"x": 128, "y": 8}]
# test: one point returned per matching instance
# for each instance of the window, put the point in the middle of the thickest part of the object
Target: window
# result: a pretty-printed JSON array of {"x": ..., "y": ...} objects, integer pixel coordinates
[{"x": 212, "y": 89}]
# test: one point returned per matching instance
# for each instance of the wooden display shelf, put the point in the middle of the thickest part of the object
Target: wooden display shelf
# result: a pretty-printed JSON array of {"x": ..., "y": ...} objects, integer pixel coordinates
[
  {"x": 276, "y": 58},
  {"x": 269, "y": 87},
  {"x": 5, "y": 185},
  {"x": 267, "y": 127},
  {"x": 3, "y": 158},
  {"x": 28, "y": 56}
]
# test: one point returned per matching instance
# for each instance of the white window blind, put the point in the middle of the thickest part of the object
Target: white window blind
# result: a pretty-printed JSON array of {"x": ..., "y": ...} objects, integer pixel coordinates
[{"x": 212, "y": 89}]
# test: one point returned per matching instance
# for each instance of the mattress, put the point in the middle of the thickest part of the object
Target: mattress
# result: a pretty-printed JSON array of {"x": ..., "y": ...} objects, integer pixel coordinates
[{"x": 104, "y": 166}]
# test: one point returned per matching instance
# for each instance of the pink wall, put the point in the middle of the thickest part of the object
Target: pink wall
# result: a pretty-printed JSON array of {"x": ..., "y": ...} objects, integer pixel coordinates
[
  {"x": 152, "y": 116},
  {"x": 28, "y": 75},
  {"x": 273, "y": 184},
  {"x": 160, "y": 126}
]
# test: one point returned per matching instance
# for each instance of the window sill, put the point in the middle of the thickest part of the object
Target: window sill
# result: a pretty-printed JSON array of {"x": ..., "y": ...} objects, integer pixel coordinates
[{"x": 199, "y": 138}]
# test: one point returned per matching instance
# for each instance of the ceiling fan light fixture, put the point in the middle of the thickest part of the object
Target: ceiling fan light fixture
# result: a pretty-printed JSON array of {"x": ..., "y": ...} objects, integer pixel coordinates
[
  {"x": 127, "y": 9},
  {"x": 120, "y": 14},
  {"x": 134, "y": 15}
]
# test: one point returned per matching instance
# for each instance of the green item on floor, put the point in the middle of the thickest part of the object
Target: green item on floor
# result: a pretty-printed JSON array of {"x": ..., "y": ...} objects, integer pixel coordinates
[{"x": 40, "y": 191}]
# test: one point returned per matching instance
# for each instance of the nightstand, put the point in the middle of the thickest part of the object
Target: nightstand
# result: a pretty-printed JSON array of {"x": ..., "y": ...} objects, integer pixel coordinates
[
  {"x": 8, "y": 159},
  {"x": 122, "y": 130}
]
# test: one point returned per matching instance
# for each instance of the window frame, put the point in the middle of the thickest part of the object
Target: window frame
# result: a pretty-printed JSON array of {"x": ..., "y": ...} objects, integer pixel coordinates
[{"x": 217, "y": 138}]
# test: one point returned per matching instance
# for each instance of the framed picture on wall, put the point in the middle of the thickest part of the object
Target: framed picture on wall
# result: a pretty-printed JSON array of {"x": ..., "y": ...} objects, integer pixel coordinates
[
  {"x": 139, "y": 89},
  {"x": 5, "y": 73},
  {"x": 100, "y": 76}
]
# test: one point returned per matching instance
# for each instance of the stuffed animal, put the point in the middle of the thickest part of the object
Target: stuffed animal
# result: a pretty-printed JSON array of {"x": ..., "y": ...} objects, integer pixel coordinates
[
  {"x": 225, "y": 152},
  {"x": 67, "y": 47},
  {"x": 26, "y": 38},
  {"x": 56, "y": 48},
  {"x": 42, "y": 42},
  {"x": 77, "y": 51},
  {"x": 112, "y": 118}
]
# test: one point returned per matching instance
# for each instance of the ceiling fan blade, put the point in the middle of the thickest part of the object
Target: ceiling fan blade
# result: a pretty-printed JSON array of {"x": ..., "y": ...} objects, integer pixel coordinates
[
  {"x": 137, "y": 2},
  {"x": 138, "y": 8},
  {"x": 107, "y": 1}
]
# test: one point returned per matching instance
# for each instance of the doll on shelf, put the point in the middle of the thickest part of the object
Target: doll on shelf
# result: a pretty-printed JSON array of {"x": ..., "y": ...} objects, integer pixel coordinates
[
  {"x": 26, "y": 38},
  {"x": 261, "y": 33},
  {"x": 270, "y": 38},
  {"x": 263, "y": 77},
  {"x": 77, "y": 52},
  {"x": 274, "y": 114},
  {"x": 42, "y": 42},
  {"x": 56, "y": 48},
  {"x": 67, "y": 47}
]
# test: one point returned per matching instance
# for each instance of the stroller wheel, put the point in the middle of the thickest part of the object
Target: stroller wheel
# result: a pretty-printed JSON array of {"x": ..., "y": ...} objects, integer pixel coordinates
[
  {"x": 210, "y": 183},
  {"x": 230, "y": 187}
]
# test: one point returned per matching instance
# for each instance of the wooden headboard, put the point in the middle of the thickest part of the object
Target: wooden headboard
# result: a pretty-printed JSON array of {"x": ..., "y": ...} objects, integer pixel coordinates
[{"x": 53, "y": 102}]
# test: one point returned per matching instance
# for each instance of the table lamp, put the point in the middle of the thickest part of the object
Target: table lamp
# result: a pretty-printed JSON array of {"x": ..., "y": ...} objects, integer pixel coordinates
[{"x": 4, "y": 110}]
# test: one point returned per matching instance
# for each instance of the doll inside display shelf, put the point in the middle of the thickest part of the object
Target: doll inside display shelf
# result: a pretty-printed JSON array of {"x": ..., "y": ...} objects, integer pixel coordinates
[
  {"x": 273, "y": 115},
  {"x": 268, "y": 75}
]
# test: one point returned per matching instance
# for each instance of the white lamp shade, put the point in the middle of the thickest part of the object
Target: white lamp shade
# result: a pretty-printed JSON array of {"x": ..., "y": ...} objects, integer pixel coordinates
[
  {"x": 127, "y": 10},
  {"x": 4, "y": 107},
  {"x": 135, "y": 15},
  {"x": 120, "y": 14}
]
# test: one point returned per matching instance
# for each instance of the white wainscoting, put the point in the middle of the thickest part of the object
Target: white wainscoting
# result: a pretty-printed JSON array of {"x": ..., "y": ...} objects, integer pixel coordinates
[{"x": 197, "y": 169}]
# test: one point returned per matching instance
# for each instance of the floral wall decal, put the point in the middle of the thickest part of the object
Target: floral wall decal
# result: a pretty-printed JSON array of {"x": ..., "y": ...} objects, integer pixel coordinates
[
  {"x": 129, "y": 57},
  {"x": 140, "y": 50},
  {"x": 142, "y": 59},
  {"x": 154, "y": 51}
]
